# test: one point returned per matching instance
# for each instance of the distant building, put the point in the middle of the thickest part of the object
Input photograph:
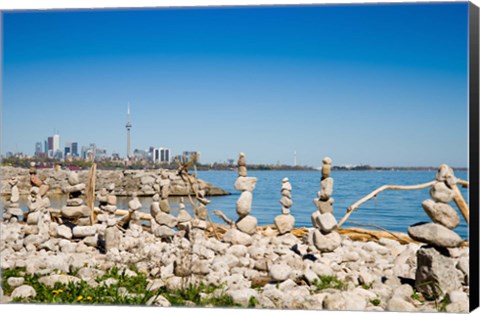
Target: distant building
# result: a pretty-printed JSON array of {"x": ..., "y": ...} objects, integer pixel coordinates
[
  {"x": 50, "y": 146},
  {"x": 67, "y": 151},
  {"x": 189, "y": 154},
  {"x": 56, "y": 142},
  {"x": 231, "y": 162},
  {"x": 45, "y": 146},
  {"x": 38, "y": 148},
  {"x": 161, "y": 155},
  {"x": 140, "y": 154},
  {"x": 74, "y": 149}
]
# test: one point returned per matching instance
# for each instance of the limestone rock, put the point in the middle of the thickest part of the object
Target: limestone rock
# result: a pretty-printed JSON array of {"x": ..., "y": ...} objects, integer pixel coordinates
[
  {"x": 326, "y": 188},
  {"x": 440, "y": 192},
  {"x": 326, "y": 222},
  {"x": 245, "y": 184},
  {"x": 64, "y": 232},
  {"x": 73, "y": 178},
  {"x": 163, "y": 232},
  {"x": 166, "y": 220},
  {"x": 183, "y": 216},
  {"x": 397, "y": 304},
  {"x": 63, "y": 279},
  {"x": 113, "y": 237},
  {"x": 244, "y": 203},
  {"x": 235, "y": 236},
  {"x": 284, "y": 223},
  {"x": 286, "y": 202},
  {"x": 326, "y": 169},
  {"x": 24, "y": 291},
  {"x": 436, "y": 274},
  {"x": 73, "y": 212},
  {"x": 247, "y": 224},
  {"x": 242, "y": 171},
  {"x": 434, "y": 234},
  {"x": 84, "y": 231},
  {"x": 280, "y": 272},
  {"x": 326, "y": 243},
  {"x": 441, "y": 213}
]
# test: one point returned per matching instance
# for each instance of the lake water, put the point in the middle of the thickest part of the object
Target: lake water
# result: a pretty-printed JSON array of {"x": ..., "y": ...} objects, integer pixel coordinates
[{"x": 393, "y": 210}]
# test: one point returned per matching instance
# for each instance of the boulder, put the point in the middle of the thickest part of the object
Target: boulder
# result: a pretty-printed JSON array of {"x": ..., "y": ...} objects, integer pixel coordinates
[
  {"x": 326, "y": 243},
  {"x": 245, "y": 184},
  {"x": 113, "y": 237},
  {"x": 247, "y": 224},
  {"x": 441, "y": 213},
  {"x": 326, "y": 222},
  {"x": 284, "y": 223},
  {"x": 235, "y": 236},
  {"x": 434, "y": 234},
  {"x": 84, "y": 231},
  {"x": 436, "y": 274},
  {"x": 244, "y": 203},
  {"x": 64, "y": 232},
  {"x": 440, "y": 192},
  {"x": 324, "y": 206},
  {"x": 73, "y": 212},
  {"x": 24, "y": 291},
  {"x": 280, "y": 272},
  {"x": 326, "y": 188},
  {"x": 168, "y": 220}
]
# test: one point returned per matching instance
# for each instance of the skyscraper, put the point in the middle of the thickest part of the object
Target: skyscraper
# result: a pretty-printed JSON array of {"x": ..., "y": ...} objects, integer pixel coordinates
[
  {"x": 38, "y": 148},
  {"x": 56, "y": 143},
  {"x": 128, "y": 126},
  {"x": 75, "y": 149}
]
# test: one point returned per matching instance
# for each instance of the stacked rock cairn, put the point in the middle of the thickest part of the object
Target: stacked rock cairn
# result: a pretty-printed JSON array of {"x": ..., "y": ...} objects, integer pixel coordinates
[
  {"x": 108, "y": 205},
  {"x": 246, "y": 223},
  {"x": 12, "y": 211},
  {"x": 436, "y": 272},
  {"x": 285, "y": 221},
  {"x": 162, "y": 222},
  {"x": 134, "y": 206},
  {"x": 183, "y": 217},
  {"x": 200, "y": 211},
  {"x": 324, "y": 236},
  {"x": 75, "y": 211},
  {"x": 164, "y": 186}
]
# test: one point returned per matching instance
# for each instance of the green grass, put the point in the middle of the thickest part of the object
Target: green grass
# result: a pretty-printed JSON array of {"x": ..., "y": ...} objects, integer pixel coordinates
[
  {"x": 375, "y": 302},
  {"x": 326, "y": 282},
  {"x": 127, "y": 290}
]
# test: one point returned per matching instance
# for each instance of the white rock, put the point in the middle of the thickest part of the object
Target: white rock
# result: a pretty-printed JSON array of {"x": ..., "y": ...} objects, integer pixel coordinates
[
  {"x": 244, "y": 203},
  {"x": 326, "y": 188},
  {"x": 15, "y": 281},
  {"x": 440, "y": 192},
  {"x": 245, "y": 184},
  {"x": 158, "y": 300},
  {"x": 242, "y": 296},
  {"x": 234, "y": 236},
  {"x": 280, "y": 272},
  {"x": 64, "y": 232},
  {"x": 284, "y": 223},
  {"x": 441, "y": 213},
  {"x": 166, "y": 220},
  {"x": 84, "y": 231},
  {"x": 63, "y": 279},
  {"x": 326, "y": 243},
  {"x": 326, "y": 222},
  {"x": 24, "y": 291},
  {"x": 247, "y": 224},
  {"x": 397, "y": 304}
]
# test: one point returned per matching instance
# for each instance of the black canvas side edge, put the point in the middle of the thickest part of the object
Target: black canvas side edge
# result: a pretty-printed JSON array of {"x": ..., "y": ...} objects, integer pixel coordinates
[{"x": 473, "y": 155}]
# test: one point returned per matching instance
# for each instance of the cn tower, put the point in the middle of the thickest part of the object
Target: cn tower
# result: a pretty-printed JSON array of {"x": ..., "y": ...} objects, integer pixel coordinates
[{"x": 128, "y": 126}]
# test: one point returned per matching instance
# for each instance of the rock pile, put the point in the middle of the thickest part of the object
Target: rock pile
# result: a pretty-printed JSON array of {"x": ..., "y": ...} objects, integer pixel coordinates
[
  {"x": 436, "y": 274},
  {"x": 246, "y": 223},
  {"x": 134, "y": 206},
  {"x": 75, "y": 211},
  {"x": 285, "y": 221},
  {"x": 108, "y": 205},
  {"x": 12, "y": 210},
  {"x": 143, "y": 182},
  {"x": 324, "y": 237}
]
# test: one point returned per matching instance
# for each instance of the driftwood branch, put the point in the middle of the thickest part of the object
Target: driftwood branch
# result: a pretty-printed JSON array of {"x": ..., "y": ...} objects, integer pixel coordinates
[
  {"x": 461, "y": 204},
  {"x": 221, "y": 215},
  {"x": 463, "y": 183},
  {"x": 355, "y": 205}
]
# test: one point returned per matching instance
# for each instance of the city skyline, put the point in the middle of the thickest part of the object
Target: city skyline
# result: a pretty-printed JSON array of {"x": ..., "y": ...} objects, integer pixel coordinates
[{"x": 315, "y": 80}]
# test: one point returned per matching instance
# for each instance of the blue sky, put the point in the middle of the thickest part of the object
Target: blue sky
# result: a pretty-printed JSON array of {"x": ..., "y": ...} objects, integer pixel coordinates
[{"x": 379, "y": 84}]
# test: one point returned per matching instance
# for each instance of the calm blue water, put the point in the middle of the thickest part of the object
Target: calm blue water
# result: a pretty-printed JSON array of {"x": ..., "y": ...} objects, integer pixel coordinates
[{"x": 393, "y": 210}]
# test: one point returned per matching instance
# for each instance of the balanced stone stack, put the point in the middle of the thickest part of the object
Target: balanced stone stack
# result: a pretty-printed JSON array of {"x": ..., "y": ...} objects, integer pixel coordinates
[
  {"x": 75, "y": 211},
  {"x": 184, "y": 219},
  {"x": 108, "y": 205},
  {"x": 324, "y": 237},
  {"x": 436, "y": 273},
  {"x": 200, "y": 211},
  {"x": 246, "y": 223},
  {"x": 12, "y": 210},
  {"x": 285, "y": 221},
  {"x": 164, "y": 185},
  {"x": 134, "y": 206}
]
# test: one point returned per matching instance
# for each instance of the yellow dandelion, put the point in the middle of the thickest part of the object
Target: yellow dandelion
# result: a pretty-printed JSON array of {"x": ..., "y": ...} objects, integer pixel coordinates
[
  {"x": 57, "y": 291},
  {"x": 89, "y": 298},
  {"x": 79, "y": 298}
]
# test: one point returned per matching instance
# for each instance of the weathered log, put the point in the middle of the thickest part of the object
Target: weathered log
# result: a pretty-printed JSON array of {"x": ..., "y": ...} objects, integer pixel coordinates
[{"x": 461, "y": 204}]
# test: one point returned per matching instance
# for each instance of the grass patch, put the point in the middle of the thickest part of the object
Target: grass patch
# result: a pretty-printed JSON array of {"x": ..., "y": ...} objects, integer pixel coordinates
[
  {"x": 128, "y": 290},
  {"x": 375, "y": 302},
  {"x": 326, "y": 282}
]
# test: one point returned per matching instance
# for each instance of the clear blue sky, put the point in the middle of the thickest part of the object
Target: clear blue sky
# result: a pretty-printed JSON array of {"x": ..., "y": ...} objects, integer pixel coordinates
[{"x": 379, "y": 84}]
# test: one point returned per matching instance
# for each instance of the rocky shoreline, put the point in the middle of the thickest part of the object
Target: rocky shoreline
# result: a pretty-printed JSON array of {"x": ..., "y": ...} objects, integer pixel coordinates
[
  {"x": 127, "y": 182},
  {"x": 275, "y": 271},
  {"x": 187, "y": 260}
]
